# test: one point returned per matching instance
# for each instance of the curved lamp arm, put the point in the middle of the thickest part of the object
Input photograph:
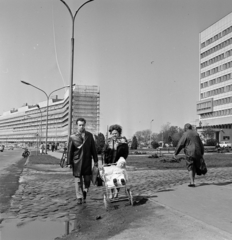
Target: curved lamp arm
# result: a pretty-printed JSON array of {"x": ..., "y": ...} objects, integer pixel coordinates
[
  {"x": 81, "y": 7},
  {"x": 57, "y": 90},
  {"x": 34, "y": 87}
]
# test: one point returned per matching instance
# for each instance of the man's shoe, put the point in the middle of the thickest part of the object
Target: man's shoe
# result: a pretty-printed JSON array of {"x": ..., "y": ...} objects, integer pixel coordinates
[{"x": 191, "y": 185}]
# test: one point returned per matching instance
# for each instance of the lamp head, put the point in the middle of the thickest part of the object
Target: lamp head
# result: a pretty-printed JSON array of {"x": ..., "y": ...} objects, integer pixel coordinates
[
  {"x": 25, "y": 82},
  {"x": 69, "y": 85}
]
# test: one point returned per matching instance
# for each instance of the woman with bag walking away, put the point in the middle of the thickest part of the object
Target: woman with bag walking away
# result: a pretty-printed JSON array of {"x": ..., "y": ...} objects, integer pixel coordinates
[{"x": 193, "y": 149}]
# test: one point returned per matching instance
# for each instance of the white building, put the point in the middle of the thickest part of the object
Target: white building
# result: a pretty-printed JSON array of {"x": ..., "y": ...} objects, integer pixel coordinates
[
  {"x": 215, "y": 98},
  {"x": 27, "y": 124}
]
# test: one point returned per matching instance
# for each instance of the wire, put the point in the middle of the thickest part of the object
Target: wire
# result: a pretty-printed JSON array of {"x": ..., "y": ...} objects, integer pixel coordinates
[{"x": 54, "y": 39}]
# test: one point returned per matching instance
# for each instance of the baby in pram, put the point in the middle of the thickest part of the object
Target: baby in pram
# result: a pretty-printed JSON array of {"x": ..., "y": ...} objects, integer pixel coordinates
[{"x": 115, "y": 176}]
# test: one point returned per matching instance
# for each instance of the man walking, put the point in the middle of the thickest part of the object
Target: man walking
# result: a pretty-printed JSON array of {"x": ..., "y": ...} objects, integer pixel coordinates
[
  {"x": 81, "y": 150},
  {"x": 193, "y": 149},
  {"x": 53, "y": 147}
]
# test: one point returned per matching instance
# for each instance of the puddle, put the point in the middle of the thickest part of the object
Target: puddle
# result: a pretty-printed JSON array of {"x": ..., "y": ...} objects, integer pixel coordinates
[{"x": 36, "y": 230}]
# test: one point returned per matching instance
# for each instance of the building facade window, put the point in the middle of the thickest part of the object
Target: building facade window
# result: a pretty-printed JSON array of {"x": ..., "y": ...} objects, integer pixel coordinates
[
  {"x": 17, "y": 127},
  {"x": 216, "y": 48},
  {"x": 218, "y": 113}
]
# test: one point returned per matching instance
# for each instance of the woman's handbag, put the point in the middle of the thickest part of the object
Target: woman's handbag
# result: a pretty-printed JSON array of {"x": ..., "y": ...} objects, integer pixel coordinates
[{"x": 202, "y": 169}]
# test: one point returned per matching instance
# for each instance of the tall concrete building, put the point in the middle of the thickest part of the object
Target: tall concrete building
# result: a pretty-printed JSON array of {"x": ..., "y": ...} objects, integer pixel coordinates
[
  {"x": 215, "y": 99},
  {"x": 27, "y": 124},
  {"x": 86, "y": 104}
]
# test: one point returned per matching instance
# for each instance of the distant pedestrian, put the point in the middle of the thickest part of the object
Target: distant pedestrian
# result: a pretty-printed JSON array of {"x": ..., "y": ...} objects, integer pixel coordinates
[
  {"x": 81, "y": 150},
  {"x": 65, "y": 147},
  {"x": 193, "y": 149},
  {"x": 53, "y": 147},
  {"x": 41, "y": 148}
]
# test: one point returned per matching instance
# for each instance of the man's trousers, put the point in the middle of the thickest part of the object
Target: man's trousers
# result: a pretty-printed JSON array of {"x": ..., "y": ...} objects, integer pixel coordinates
[{"x": 82, "y": 184}]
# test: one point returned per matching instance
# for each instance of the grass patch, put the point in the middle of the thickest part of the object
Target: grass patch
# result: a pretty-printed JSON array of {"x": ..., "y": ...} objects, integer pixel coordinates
[
  {"x": 10, "y": 183},
  {"x": 43, "y": 159},
  {"x": 219, "y": 160},
  {"x": 213, "y": 161}
]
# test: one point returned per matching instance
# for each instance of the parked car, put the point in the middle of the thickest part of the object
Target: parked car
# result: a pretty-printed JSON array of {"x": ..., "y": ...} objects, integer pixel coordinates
[
  {"x": 225, "y": 144},
  {"x": 11, "y": 148},
  {"x": 1, "y": 148}
]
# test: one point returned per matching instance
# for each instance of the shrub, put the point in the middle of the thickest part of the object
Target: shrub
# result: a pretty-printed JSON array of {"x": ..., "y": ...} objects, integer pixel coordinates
[
  {"x": 154, "y": 144},
  {"x": 134, "y": 144},
  {"x": 211, "y": 142}
]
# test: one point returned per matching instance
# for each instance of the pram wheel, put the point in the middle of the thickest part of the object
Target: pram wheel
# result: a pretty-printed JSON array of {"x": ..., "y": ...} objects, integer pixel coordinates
[
  {"x": 106, "y": 204},
  {"x": 130, "y": 196}
]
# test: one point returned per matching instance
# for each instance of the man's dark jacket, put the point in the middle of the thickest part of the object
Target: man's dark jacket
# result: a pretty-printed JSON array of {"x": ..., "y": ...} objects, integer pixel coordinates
[{"x": 80, "y": 154}]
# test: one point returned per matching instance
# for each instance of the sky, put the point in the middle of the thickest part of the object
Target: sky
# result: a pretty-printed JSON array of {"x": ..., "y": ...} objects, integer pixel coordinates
[{"x": 143, "y": 55}]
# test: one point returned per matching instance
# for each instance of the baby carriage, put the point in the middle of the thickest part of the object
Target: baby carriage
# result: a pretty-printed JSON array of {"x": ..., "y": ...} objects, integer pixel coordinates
[{"x": 115, "y": 185}]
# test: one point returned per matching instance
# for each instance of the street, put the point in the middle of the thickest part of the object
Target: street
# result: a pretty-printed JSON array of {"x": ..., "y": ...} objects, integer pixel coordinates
[
  {"x": 9, "y": 157},
  {"x": 11, "y": 166}
]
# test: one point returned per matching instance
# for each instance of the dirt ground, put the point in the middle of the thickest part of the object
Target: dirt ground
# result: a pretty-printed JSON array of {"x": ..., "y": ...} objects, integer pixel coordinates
[
  {"x": 90, "y": 222},
  {"x": 103, "y": 224}
]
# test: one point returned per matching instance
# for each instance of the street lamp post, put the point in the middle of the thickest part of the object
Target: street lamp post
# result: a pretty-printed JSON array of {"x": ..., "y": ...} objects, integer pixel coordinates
[
  {"x": 24, "y": 122},
  {"x": 56, "y": 130},
  {"x": 72, "y": 62},
  {"x": 55, "y": 123},
  {"x": 47, "y": 96},
  {"x": 37, "y": 105},
  {"x": 151, "y": 131}
]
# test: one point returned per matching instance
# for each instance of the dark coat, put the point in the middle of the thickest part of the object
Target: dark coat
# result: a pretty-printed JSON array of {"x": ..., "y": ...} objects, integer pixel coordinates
[
  {"x": 112, "y": 155},
  {"x": 80, "y": 156},
  {"x": 192, "y": 144}
]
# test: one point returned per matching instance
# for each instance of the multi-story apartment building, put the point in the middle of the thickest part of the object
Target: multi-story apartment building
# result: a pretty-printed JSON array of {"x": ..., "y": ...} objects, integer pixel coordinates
[
  {"x": 27, "y": 124},
  {"x": 215, "y": 98}
]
